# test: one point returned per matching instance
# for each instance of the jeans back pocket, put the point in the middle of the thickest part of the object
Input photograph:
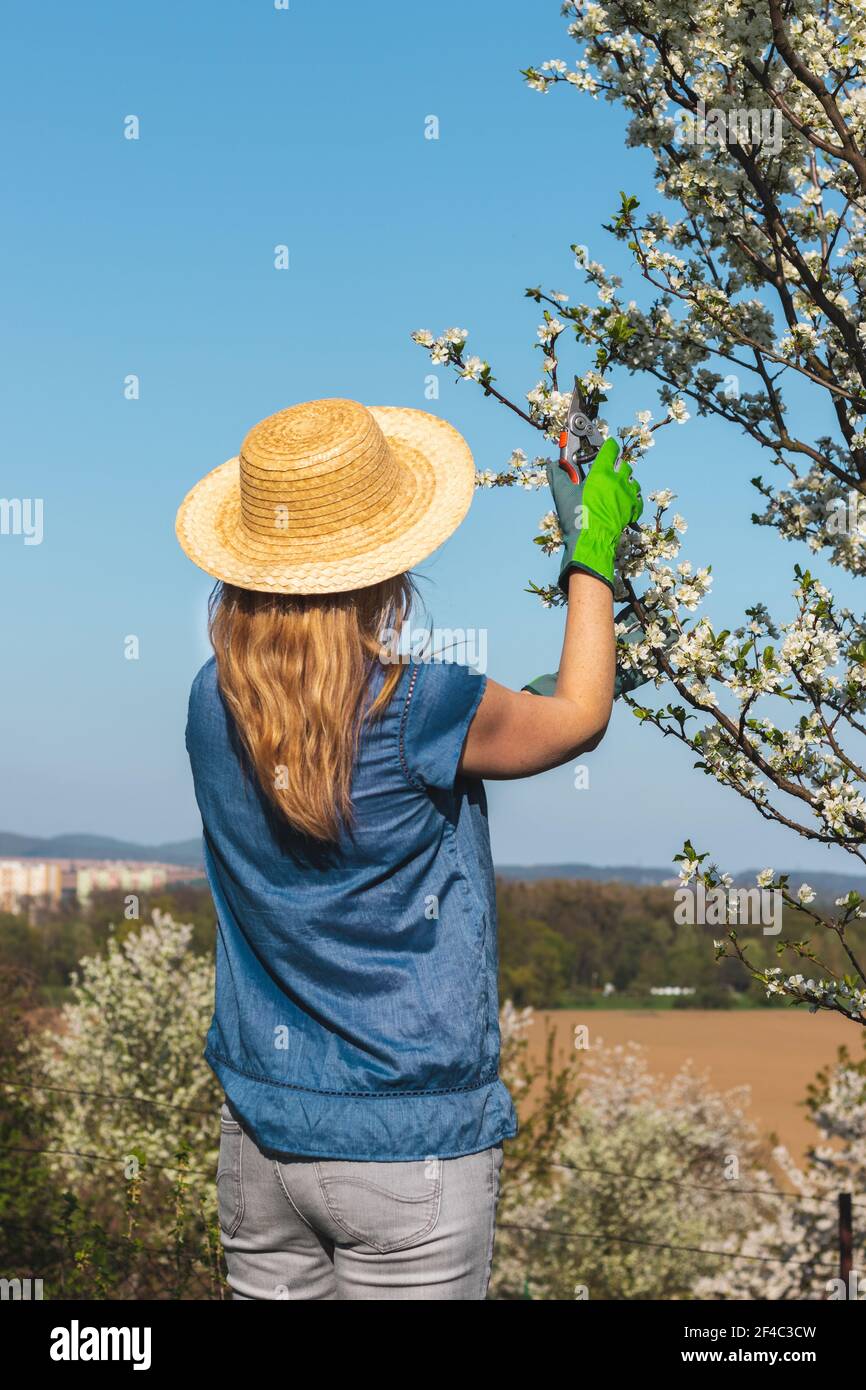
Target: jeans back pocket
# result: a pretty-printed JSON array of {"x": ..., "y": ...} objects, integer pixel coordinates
[
  {"x": 229, "y": 1178},
  {"x": 386, "y": 1206}
]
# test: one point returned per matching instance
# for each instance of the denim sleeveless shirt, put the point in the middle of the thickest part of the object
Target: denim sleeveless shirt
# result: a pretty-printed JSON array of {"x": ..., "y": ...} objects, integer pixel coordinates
[{"x": 356, "y": 1010}]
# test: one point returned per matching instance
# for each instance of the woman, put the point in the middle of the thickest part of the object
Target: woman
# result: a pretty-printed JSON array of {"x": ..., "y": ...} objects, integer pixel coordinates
[{"x": 355, "y": 1031}]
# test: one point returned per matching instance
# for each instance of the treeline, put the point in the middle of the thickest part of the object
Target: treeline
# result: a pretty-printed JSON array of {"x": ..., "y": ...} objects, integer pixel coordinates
[
  {"x": 47, "y": 944},
  {"x": 561, "y": 942}
]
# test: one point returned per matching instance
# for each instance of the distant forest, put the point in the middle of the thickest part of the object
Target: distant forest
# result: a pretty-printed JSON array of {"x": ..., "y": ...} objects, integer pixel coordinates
[{"x": 562, "y": 944}]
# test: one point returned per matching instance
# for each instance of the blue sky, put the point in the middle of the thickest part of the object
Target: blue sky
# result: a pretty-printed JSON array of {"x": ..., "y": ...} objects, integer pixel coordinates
[{"x": 155, "y": 257}]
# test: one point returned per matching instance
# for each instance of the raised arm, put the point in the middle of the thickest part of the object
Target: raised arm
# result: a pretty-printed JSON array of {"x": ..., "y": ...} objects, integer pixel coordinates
[{"x": 517, "y": 733}]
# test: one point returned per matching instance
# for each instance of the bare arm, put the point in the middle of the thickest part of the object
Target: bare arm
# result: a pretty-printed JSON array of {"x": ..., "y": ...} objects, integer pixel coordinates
[{"x": 516, "y": 733}]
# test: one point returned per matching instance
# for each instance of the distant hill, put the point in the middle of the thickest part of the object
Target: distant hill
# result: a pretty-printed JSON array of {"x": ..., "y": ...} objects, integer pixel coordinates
[
  {"x": 189, "y": 852},
  {"x": 598, "y": 873},
  {"x": 826, "y": 885},
  {"x": 77, "y": 846}
]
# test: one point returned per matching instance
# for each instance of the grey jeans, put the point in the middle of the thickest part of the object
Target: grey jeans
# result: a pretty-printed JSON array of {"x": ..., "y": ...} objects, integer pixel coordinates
[{"x": 337, "y": 1229}]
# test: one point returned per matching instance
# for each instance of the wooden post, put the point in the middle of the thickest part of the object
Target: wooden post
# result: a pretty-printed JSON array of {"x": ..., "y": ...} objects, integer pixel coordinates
[{"x": 846, "y": 1241}]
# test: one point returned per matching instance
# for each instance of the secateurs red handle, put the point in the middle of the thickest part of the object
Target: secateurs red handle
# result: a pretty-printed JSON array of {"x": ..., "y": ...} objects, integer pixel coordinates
[{"x": 574, "y": 472}]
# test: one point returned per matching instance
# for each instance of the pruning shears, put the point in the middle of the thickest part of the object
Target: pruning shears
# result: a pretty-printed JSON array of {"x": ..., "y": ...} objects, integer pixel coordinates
[{"x": 581, "y": 440}]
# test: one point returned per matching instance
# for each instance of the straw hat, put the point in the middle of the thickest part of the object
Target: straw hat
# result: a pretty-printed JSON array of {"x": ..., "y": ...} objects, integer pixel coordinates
[{"x": 329, "y": 495}]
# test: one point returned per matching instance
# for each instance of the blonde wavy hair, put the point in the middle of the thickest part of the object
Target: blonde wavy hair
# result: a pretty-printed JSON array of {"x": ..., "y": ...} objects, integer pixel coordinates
[{"x": 294, "y": 671}]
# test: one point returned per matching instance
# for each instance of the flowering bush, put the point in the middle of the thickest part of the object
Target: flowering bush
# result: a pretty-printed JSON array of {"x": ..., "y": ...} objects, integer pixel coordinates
[
  {"x": 133, "y": 1031},
  {"x": 756, "y": 121},
  {"x": 617, "y": 1185},
  {"x": 793, "y": 1248},
  {"x": 643, "y": 1179}
]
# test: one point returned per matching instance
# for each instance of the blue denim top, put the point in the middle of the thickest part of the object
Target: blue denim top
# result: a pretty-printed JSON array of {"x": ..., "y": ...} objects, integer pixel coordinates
[{"x": 356, "y": 1010}]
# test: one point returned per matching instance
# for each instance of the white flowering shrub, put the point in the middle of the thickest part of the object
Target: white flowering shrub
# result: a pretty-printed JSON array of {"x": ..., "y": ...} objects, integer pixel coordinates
[
  {"x": 618, "y": 1185},
  {"x": 124, "y": 1071},
  {"x": 755, "y": 118},
  {"x": 793, "y": 1250},
  {"x": 645, "y": 1181}
]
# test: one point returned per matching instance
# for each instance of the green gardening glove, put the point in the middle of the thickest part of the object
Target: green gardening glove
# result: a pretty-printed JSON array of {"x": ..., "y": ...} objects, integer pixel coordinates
[{"x": 593, "y": 514}]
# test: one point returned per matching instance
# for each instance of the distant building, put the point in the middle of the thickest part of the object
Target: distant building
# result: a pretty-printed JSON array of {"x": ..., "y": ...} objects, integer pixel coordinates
[
  {"x": 24, "y": 880},
  {"x": 44, "y": 882},
  {"x": 101, "y": 878},
  {"x": 115, "y": 875}
]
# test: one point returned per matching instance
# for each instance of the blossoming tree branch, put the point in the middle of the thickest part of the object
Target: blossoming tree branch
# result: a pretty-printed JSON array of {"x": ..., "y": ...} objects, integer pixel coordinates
[{"x": 755, "y": 117}]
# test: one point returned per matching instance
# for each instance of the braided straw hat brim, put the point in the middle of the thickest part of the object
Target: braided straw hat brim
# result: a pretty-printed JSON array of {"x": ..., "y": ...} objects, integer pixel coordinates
[{"x": 385, "y": 526}]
